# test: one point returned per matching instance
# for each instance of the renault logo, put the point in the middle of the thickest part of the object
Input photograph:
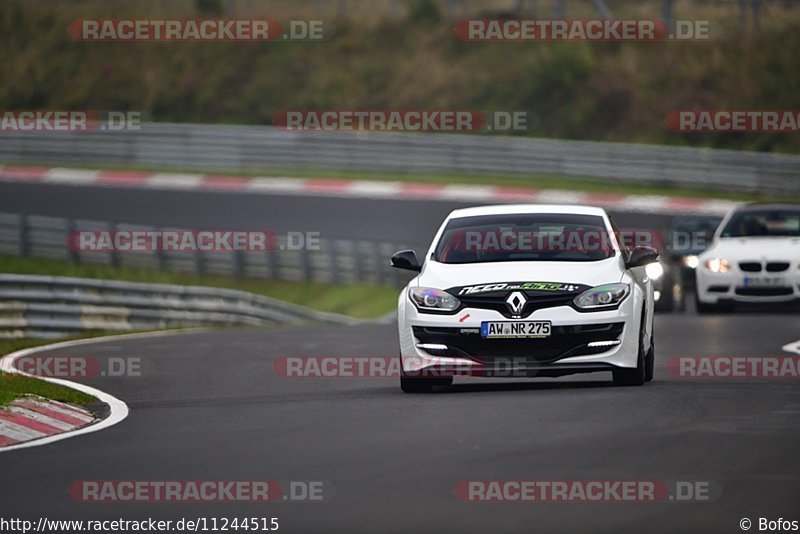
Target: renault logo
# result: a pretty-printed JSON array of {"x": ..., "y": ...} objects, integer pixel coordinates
[{"x": 516, "y": 301}]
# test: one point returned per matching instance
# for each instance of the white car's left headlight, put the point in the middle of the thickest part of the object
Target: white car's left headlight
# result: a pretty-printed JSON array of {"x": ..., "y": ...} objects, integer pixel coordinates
[
  {"x": 717, "y": 265},
  {"x": 428, "y": 298},
  {"x": 600, "y": 297}
]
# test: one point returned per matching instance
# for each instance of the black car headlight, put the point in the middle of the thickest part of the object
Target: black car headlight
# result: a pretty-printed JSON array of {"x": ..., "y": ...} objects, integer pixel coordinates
[
  {"x": 601, "y": 297},
  {"x": 428, "y": 298}
]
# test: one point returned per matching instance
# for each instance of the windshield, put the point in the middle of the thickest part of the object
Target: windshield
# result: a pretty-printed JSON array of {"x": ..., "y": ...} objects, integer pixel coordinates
[
  {"x": 766, "y": 223},
  {"x": 524, "y": 237}
]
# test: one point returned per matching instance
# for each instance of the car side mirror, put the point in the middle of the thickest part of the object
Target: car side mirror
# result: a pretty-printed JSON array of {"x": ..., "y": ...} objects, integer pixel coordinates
[
  {"x": 642, "y": 256},
  {"x": 406, "y": 259}
]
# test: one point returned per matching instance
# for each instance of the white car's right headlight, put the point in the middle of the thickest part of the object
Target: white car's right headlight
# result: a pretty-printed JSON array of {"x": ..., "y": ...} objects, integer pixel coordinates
[
  {"x": 428, "y": 298},
  {"x": 605, "y": 296},
  {"x": 717, "y": 265}
]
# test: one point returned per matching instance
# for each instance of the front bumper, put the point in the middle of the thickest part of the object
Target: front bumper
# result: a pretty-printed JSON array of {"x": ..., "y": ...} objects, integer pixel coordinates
[
  {"x": 566, "y": 351},
  {"x": 734, "y": 286}
]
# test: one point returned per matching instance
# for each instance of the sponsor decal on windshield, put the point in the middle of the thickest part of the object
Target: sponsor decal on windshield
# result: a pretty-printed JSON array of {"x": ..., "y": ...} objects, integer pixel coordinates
[{"x": 524, "y": 286}]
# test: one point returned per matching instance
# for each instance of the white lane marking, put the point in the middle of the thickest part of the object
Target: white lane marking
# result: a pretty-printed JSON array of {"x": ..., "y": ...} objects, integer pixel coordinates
[
  {"x": 792, "y": 347},
  {"x": 118, "y": 409},
  {"x": 18, "y": 432},
  {"x": 36, "y": 416}
]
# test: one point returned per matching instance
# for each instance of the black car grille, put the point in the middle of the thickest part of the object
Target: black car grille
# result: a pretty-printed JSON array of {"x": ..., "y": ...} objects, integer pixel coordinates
[
  {"x": 499, "y": 305},
  {"x": 764, "y": 291},
  {"x": 750, "y": 266},
  {"x": 777, "y": 266},
  {"x": 564, "y": 341}
]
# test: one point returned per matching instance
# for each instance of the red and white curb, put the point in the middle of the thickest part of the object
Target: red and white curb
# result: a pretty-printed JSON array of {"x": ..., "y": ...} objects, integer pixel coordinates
[
  {"x": 31, "y": 418},
  {"x": 42, "y": 418},
  {"x": 362, "y": 189}
]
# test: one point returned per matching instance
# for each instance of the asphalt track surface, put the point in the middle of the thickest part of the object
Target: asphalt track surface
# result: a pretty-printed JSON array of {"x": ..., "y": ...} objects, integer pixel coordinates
[
  {"x": 412, "y": 222},
  {"x": 209, "y": 406}
]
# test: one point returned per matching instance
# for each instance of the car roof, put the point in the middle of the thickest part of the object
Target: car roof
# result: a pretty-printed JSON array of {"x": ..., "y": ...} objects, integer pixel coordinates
[{"x": 510, "y": 209}]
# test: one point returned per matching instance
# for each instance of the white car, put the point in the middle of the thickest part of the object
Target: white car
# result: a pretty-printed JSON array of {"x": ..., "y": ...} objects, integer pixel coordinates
[
  {"x": 502, "y": 293},
  {"x": 753, "y": 258}
]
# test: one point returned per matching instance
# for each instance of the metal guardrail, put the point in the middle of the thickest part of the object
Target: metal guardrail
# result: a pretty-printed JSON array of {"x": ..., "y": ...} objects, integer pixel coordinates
[
  {"x": 208, "y": 147},
  {"x": 52, "y": 307},
  {"x": 333, "y": 261}
]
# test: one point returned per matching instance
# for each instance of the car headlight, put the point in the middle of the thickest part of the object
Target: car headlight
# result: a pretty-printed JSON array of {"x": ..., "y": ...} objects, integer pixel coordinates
[
  {"x": 654, "y": 270},
  {"x": 717, "y": 265},
  {"x": 691, "y": 261},
  {"x": 427, "y": 298},
  {"x": 604, "y": 296}
]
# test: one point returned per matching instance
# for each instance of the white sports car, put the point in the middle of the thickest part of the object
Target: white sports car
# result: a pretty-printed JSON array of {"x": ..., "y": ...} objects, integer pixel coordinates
[
  {"x": 527, "y": 290},
  {"x": 753, "y": 258}
]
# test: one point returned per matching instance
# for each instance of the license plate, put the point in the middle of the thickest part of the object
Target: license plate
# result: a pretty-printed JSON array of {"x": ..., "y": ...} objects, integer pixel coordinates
[
  {"x": 515, "y": 329},
  {"x": 764, "y": 281}
]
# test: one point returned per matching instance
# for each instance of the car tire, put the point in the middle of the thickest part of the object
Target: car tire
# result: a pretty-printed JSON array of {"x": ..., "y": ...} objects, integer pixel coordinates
[
  {"x": 650, "y": 361},
  {"x": 638, "y": 375}
]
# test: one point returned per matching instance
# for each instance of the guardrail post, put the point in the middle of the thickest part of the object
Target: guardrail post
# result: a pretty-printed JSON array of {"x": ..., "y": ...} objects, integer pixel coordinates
[
  {"x": 273, "y": 268},
  {"x": 113, "y": 256},
  {"x": 238, "y": 264},
  {"x": 72, "y": 250},
  {"x": 358, "y": 265},
  {"x": 23, "y": 247},
  {"x": 305, "y": 261},
  {"x": 334, "y": 261},
  {"x": 199, "y": 266},
  {"x": 376, "y": 261}
]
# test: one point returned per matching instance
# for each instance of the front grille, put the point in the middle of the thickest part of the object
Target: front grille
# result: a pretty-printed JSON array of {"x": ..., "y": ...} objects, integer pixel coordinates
[
  {"x": 750, "y": 266},
  {"x": 777, "y": 266},
  {"x": 764, "y": 291},
  {"x": 499, "y": 305},
  {"x": 564, "y": 341}
]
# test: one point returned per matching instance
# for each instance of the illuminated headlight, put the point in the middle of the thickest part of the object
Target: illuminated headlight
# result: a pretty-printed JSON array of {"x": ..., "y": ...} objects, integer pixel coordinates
[
  {"x": 717, "y": 265},
  {"x": 604, "y": 296},
  {"x": 654, "y": 270},
  {"x": 691, "y": 261},
  {"x": 426, "y": 298}
]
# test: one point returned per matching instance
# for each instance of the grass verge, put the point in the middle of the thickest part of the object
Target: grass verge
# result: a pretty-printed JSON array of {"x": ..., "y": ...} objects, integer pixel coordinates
[
  {"x": 13, "y": 386},
  {"x": 363, "y": 301}
]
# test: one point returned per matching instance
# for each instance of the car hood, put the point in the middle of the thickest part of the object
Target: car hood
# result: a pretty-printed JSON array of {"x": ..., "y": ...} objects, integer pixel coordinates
[
  {"x": 755, "y": 248},
  {"x": 446, "y": 276}
]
